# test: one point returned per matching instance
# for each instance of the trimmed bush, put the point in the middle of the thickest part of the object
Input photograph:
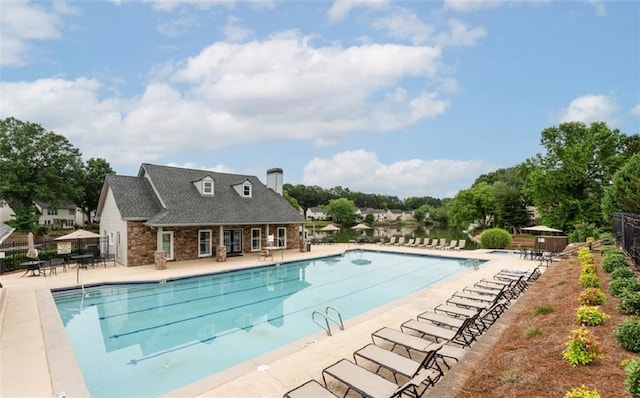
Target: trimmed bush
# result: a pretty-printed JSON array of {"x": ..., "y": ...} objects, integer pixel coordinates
[
  {"x": 630, "y": 303},
  {"x": 543, "y": 310},
  {"x": 590, "y": 280},
  {"x": 588, "y": 268},
  {"x": 607, "y": 250},
  {"x": 585, "y": 256},
  {"x": 623, "y": 273},
  {"x": 592, "y": 296},
  {"x": 611, "y": 262},
  {"x": 628, "y": 334},
  {"x": 618, "y": 287},
  {"x": 583, "y": 348},
  {"x": 582, "y": 392},
  {"x": 495, "y": 238},
  {"x": 632, "y": 382},
  {"x": 590, "y": 316}
]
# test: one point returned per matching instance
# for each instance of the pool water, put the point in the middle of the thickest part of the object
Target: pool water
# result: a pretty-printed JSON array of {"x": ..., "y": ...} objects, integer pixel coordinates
[{"x": 147, "y": 339}]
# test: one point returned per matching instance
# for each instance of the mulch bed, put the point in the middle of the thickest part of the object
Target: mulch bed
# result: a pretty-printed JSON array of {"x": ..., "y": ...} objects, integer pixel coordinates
[{"x": 521, "y": 367}]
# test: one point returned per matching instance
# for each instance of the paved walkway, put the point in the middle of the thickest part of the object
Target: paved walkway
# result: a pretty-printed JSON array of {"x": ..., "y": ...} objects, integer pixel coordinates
[{"x": 36, "y": 358}]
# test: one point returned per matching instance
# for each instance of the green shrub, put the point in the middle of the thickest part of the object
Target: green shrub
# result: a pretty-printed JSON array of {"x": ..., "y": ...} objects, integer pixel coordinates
[
  {"x": 582, "y": 231},
  {"x": 589, "y": 315},
  {"x": 511, "y": 376},
  {"x": 585, "y": 256},
  {"x": 607, "y": 250},
  {"x": 630, "y": 303},
  {"x": 611, "y": 262},
  {"x": 543, "y": 310},
  {"x": 628, "y": 334},
  {"x": 623, "y": 273},
  {"x": 582, "y": 392},
  {"x": 533, "y": 332},
  {"x": 592, "y": 296},
  {"x": 583, "y": 348},
  {"x": 606, "y": 238},
  {"x": 590, "y": 280},
  {"x": 495, "y": 238},
  {"x": 618, "y": 287},
  {"x": 588, "y": 268},
  {"x": 632, "y": 382}
]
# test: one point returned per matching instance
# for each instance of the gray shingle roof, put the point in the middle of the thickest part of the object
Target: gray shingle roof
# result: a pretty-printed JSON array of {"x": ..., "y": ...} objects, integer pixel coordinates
[
  {"x": 167, "y": 196},
  {"x": 134, "y": 197},
  {"x": 5, "y": 231}
]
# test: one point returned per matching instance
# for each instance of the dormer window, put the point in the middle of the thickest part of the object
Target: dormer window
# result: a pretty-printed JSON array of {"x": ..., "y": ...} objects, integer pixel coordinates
[
  {"x": 207, "y": 187},
  {"x": 246, "y": 189}
]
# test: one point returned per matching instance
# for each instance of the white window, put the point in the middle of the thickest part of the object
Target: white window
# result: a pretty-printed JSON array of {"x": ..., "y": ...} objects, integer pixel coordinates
[
  {"x": 204, "y": 243},
  {"x": 52, "y": 212},
  {"x": 207, "y": 187},
  {"x": 246, "y": 189},
  {"x": 167, "y": 244},
  {"x": 282, "y": 237},
  {"x": 256, "y": 235}
]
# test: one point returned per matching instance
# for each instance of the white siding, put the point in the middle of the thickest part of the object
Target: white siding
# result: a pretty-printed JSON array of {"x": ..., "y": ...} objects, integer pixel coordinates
[{"x": 112, "y": 225}]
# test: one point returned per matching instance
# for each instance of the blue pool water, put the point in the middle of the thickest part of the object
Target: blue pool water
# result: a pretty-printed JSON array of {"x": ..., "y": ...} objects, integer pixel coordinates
[{"x": 147, "y": 339}]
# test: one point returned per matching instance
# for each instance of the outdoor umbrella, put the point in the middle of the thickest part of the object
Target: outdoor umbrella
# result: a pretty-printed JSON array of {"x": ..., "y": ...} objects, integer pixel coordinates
[
  {"x": 31, "y": 251},
  {"x": 79, "y": 234},
  {"x": 330, "y": 228},
  {"x": 361, "y": 227},
  {"x": 541, "y": 228}
]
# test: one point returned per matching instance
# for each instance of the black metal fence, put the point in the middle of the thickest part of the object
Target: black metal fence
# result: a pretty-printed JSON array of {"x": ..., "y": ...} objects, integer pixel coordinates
[
  {"x": 626, "y": 230},
  {"x": 12, "y": 254}
]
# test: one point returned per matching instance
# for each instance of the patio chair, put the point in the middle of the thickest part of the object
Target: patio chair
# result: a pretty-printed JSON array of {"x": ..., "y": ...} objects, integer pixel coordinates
[
  {"x": 401, "y": 365},
  {"x": 452, "y": 244},
  {"x": 461, "y": 244},
  {"x": 59, "y": 262},
  {"x": 46, "y": 265},
  {"x": 441, "y": 244},
  {"x": 367, "y": 383},
  {"x": 410, "y": 242},
  {"x": 415, "y": 345},
  {"x": 400, "y": 241},
  {"x": 425, "y": 244},
  {"x": 463, "y": 336},
  {"x": 310, "y": 389},
  {"x": 391, "y": 242},
  {"x": 417, "y": 243}
]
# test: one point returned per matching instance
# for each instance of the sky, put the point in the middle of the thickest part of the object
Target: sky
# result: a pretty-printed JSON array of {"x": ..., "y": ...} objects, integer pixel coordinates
[{"x": 415, "y": 98}]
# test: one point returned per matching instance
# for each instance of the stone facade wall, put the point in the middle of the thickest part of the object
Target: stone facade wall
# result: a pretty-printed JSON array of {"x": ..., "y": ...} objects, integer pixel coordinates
[
  {"x": 143, "y": 241},
  {"x": 141, "y": 245}
]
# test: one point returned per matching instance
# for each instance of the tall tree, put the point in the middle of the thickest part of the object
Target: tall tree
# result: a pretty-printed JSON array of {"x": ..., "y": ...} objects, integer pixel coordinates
[
  {"x": 476, "y": 204},
  {"x": 91, "y": 180},
  {"x": 36, "y": 165},
  {"x": 624, "y": 194},
  {"x": 567, "y": 183},
  {"x": 342, "y": 211}
]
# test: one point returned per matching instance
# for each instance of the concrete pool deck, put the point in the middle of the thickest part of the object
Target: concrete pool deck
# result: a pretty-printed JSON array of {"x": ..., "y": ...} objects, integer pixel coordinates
[{"x": 36, "y": 359}]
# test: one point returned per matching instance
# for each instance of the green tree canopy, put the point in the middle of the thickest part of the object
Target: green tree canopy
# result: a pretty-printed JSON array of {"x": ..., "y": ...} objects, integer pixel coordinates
[
  {"x": 342, "y": 211},
  {"x": 91, "y": 179},
  {"x": 624, "y": 193},
  {"x": 475, "y": 204},
  {"x": 567, "y": 183},
  {"x": 36, "y": 165}
]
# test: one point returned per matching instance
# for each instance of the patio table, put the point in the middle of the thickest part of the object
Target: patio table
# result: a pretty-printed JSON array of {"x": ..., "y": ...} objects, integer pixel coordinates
[{"x": 32, "y": 266}]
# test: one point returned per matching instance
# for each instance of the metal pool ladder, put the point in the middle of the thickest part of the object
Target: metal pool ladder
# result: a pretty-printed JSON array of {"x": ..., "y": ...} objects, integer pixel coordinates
[{"x": 325, "y": 315}]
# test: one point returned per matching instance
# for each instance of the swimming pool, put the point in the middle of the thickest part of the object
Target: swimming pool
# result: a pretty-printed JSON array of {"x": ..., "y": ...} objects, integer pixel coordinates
[{"x": 147, "y": 339}]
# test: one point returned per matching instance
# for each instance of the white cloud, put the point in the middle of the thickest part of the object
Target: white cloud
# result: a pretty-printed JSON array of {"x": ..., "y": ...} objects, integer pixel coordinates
[
  {"x": 234, "y": 31},
  {"x": 341, "y": 8},
  {"x": 218, "y": 168},
  {"x": 636, "y": 110},
  {"x": 23, "y": 23},
  {"x": 589, "y": 109},
  {"x": 471, "y": 5},
  {"x": 361, "y": 171},
  {"x": 170, "y": 5},
  {"x": 460, "y": 35},
  {"x": 236, "y": 93},
  {"x": 178, "y": 23},
  {"x": 404, "y": 24}
]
